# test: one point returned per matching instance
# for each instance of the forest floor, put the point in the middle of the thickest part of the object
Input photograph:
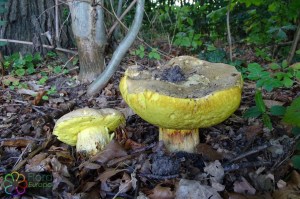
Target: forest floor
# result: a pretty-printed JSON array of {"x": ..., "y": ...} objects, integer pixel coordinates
[{"x": 238, "y": 159}]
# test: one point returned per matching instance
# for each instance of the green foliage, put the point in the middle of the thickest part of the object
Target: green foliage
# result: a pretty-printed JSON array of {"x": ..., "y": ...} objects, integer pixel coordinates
[
  {"x": 140, "y": 52},
  {"x": 259, "y": 110},
  {"x": 51, "y": 91},
  {"x": 21, "y": 65},
  {"x": 154, "y": 54},
  {"x": 43, "y": 80},
  {"x": 51, "y": 54},
  {"x": 292, "y": 114},
  {"x": 273, "y": 76},
  {"x": 213, "y": 54}
]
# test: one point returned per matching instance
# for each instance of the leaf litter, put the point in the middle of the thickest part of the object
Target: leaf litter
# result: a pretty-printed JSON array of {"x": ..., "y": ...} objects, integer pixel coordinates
[{"x": 236, "y": 159}]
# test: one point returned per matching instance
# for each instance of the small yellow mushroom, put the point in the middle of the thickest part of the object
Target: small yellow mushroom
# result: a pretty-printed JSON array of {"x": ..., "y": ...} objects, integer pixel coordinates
[{"x": 89, "y": 129}]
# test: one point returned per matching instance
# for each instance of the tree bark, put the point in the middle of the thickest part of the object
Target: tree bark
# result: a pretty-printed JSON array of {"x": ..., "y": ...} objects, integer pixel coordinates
[
  {"x": 89, "y": 32},
  {"x": 27, "y": 20},
  {"x": 119, "y": 53}
]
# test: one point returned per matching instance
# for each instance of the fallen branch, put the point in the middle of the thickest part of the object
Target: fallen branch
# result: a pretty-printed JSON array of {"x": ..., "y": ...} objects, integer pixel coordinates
[{"x": 45, "y": 46}]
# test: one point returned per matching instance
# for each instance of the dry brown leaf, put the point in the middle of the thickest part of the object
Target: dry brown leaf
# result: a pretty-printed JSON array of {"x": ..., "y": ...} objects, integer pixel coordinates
[
  {"x": 253, "y": 131},
  {"x": 162, "y": 191},
  {"x": 38, "y": 97},
  {"x": 15, "y": 143},
  {"x": 270, "y": 103},
  {"x": 38, "y": 163},
  {"x": 292, "y": 190},
  {"x": 132, "y": 145},
  {"x": 111, "y": 151},
  {"x": 208, "y": 152}
]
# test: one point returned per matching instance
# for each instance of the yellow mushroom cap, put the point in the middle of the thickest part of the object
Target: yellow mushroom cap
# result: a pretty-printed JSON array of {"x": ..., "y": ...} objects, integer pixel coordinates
[
  {"x": 210, "y": 93},
  {"x": 68, "y": 126}
]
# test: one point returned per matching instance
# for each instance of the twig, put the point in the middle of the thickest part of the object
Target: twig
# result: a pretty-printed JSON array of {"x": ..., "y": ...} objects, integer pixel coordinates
[
  {"x": 119, "y": 18},
  {"x": 45, "y": 46},
  {"x": 20, "y": 157},
  {"x": 142, "y": 149},
  {"x": 23, "y": 138},
  {"x": 243, "y": 165},
  {"x": 158, "y": 177},
  {"x": 33, "y": 153},
  {"x": 253, "y": 151}
]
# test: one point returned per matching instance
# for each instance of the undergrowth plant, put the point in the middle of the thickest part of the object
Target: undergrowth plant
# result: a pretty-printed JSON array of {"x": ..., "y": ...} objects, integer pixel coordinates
[
  {"x": 274, "y": 75},
  {"x": 141, "y": 52},
  {"x": 20, "y": 65}
]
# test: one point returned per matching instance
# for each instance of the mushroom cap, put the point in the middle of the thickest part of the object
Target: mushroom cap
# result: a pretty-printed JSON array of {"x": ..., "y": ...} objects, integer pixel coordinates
[
  {"x": 68, "y": 126},
  {"x": 204, "y": 95}
]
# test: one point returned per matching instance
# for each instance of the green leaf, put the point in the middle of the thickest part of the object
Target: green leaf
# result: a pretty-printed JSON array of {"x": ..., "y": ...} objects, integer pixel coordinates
[
  {"x": 267, "y": 120},
  {"x": 292, "y": 114},
  {"x": 284, "y": 64},
  {"x": 20, "y": 72},
  {"x": 57, "y": 69},
  {"x": 259, "y": 101},
  {"x": 252, "y": 112},
  {"x": 45, "y": 97},
  {"x": 274, "y": 66},
  {"x": 298, "y": 52},
  {"x": 296, "y": 161},
  {"x": 30, "y": 70},
  {"x": 287, "y": 82},
  {"x": 154, "y": 54},
  {"x": 277, "y": 110}
]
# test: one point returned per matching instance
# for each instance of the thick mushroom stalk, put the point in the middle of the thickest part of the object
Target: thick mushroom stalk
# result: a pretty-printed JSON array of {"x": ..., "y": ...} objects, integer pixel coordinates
[
  {"x": 179, "y": 140},
  {"x": 182, "y": 96},
  {"x": 88, "y": 129}
]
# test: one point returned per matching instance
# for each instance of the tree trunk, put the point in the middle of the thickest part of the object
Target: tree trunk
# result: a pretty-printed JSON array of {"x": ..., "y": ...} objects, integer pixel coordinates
[
  {"x": 89, "y": 32},
  {"x": 27, "y": 20}
]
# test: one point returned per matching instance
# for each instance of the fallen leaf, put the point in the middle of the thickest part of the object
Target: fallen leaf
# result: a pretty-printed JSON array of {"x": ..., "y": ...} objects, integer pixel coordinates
[
  {"x": 208, "y": 152},
  {"x": 270, "y": 103},
  {"x": 125, "y": 184},
  {"x": 194, "y": 190},
  {"x": 38, "y": 97},
  {"x": 15, "y": 143},
  {"x": 111, "y": 151},
  {"x": 162, "y": 191},
  {"x": 215, "y": 171},
  {"x": 243, "y": 186}
]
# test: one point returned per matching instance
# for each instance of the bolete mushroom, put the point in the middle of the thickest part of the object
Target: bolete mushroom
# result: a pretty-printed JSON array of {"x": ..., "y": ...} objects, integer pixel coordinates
[
  {"x": 88, "y": 128},
  {"x": 182, "y": 96}
]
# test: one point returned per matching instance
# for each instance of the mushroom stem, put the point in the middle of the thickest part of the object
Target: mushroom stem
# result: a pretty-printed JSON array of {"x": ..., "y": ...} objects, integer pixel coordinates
[
  {"x": 179, "y": 140},
  {"x": 93, "y": 139}
]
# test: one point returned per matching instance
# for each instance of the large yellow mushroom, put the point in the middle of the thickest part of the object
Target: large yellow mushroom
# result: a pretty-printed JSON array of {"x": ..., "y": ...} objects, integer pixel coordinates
[
  {"x": 88, "y": 128},
  {"x": 182, "y": 96}
]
